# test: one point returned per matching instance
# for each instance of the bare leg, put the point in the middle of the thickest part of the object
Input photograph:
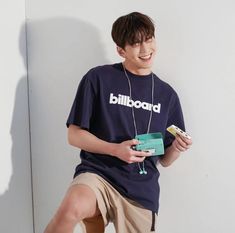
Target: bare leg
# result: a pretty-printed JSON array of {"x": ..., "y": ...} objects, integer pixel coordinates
[
  {"x": 79, "y": 203},
  {"x": 94, "y": 225}
]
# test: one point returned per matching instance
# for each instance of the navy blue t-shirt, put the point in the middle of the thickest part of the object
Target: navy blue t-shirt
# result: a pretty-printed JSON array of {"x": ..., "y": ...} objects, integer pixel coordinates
[{"x": 102, "y": 106}]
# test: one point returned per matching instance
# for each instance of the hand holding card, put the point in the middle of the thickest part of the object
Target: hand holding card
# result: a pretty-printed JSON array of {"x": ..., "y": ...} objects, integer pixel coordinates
[{"x": 176, "y": 130}]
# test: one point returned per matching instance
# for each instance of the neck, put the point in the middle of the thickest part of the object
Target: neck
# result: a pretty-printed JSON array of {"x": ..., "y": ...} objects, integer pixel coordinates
[{"x": 137, "y": 70}]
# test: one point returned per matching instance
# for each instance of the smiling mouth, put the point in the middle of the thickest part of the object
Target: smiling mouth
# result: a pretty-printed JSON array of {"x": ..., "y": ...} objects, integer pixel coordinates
[{"x": 146, "y": 57}]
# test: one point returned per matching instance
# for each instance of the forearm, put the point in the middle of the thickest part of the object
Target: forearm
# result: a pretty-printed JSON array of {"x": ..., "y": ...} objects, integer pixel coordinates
[
  {"x": 180, "y": 144},
  {"x": 86, "y": 141},
  {"x": 171, "y": 154}
]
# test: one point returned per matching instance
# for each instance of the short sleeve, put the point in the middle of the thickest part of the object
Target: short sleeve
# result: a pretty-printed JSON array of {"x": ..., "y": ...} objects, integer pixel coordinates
[
  {"x": 175, "y": 118},
  {"x": 82, "y": 108}
]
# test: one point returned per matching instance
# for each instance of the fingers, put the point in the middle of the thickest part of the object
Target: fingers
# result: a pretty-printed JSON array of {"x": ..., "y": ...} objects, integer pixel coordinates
[
  {"x": 181, "y": 143},
  {"x": 141, "y": 153},
  {"x": 137, "y": 156},
  {"x": 186, "y": 140},
  {"x": 132, "y": 142},
  {"x": 130, "y": 155},
  {"x": 135, "y": 159}
]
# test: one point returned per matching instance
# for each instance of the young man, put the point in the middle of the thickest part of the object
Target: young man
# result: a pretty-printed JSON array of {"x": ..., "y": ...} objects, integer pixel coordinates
[{"x": 114, "y": 103}]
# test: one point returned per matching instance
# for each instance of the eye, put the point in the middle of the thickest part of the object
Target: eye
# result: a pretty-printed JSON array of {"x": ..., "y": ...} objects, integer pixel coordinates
[
  {"x": 150, "y": 39},
  {"x": 136, "y": 44}
]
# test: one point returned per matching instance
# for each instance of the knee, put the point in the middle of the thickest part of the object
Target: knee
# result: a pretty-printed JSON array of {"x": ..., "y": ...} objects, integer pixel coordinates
[
  {"x": 70, "y": 211},
  {"x": 79, "y": 203}
]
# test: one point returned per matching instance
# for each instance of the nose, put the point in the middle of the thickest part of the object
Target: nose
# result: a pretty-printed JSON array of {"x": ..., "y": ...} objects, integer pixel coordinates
[{"x": 144, "y": 48}]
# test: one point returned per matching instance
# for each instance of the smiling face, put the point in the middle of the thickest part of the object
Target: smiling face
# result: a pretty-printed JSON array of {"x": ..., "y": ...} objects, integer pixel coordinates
[{"x": 139, "y": 57}]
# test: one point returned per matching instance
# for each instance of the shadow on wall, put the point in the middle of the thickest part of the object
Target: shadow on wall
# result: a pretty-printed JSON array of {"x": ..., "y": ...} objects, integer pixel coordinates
[
  {"x": 60, "y": 52},
  {"x": 15, "y": 203}
]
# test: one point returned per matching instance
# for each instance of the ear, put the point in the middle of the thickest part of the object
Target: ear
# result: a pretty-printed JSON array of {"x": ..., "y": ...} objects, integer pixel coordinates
[{"x": 121, "y": 51}]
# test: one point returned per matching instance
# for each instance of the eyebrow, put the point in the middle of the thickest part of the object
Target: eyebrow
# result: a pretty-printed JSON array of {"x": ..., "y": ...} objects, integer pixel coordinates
[{"x": 140, "y": 37}]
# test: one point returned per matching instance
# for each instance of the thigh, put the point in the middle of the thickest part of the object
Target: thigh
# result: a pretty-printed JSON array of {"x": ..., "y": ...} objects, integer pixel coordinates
[
  {"x": 80, "y": 203},
  {"x": 100, "y": 188}
]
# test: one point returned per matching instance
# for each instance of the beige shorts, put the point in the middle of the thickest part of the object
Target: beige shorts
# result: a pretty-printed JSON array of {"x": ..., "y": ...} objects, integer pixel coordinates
[{"x": 126, "y": 215}]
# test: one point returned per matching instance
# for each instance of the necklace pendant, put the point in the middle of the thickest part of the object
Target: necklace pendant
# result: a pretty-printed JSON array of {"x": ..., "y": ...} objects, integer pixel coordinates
[{"x": 143, "y": 172}]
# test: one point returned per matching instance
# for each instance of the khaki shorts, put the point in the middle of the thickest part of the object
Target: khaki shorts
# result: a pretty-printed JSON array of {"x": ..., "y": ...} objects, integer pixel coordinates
[{"x": 126, "y": 215}]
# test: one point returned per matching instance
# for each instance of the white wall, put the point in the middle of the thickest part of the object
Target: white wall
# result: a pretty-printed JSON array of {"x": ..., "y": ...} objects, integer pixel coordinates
[
  {"x": 15, "y": 176},
  {"x": 196, "y": 55}
]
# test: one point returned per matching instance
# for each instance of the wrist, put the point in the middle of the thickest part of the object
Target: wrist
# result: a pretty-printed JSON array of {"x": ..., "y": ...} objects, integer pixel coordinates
[{"x": 112, "y": 149}]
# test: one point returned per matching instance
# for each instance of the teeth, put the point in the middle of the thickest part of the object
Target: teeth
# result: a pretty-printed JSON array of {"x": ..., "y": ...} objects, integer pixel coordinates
[{"x": 145, "y": 57}]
